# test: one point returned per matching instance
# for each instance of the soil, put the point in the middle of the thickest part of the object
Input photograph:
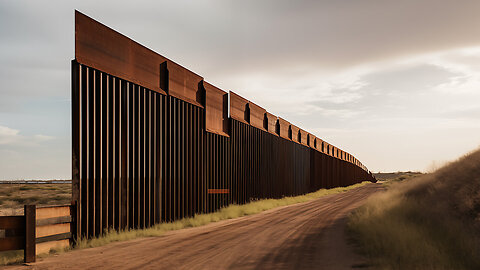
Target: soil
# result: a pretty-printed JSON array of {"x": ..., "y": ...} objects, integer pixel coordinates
[{"x": 308, "y": 235}]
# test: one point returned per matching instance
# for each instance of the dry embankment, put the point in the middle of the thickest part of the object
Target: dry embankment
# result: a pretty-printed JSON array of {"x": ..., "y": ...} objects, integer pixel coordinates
[
  {"x": 300, "y": 236},
  {"x": 428, "y": 222}
]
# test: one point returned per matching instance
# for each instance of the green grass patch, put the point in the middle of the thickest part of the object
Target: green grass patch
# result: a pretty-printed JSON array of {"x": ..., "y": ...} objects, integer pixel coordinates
[{"x": 229, "y": 212}]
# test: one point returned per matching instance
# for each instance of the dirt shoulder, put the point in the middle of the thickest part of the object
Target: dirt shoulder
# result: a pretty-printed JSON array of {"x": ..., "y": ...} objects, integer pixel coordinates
[{"x": 301, "y": 236}]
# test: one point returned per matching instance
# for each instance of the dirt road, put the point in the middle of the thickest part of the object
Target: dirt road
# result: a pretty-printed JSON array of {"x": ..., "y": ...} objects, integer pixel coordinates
[{"x": 302, "y": 236}]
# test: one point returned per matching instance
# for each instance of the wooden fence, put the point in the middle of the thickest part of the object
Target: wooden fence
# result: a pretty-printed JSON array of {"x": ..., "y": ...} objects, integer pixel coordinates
[{"x": 38, "y": 231}]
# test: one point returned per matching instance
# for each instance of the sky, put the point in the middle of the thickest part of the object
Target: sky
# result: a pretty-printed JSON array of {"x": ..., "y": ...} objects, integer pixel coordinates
[{"x": 395, "y": 83}]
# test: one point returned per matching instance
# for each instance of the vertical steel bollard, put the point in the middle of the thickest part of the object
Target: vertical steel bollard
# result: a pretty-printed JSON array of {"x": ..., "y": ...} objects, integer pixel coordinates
[{"x": 74, "y": 224}]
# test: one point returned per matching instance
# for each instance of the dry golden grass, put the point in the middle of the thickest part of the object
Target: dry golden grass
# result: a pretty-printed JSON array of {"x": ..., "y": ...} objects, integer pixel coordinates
[
  {"x": 14, "y": 196},
  {"x": 428, "y": 222},
  {"x": 11, "y": 257}
]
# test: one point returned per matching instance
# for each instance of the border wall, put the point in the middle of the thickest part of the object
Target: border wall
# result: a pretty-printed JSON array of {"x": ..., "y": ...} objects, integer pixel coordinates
[{"x": 153, "y": 142}]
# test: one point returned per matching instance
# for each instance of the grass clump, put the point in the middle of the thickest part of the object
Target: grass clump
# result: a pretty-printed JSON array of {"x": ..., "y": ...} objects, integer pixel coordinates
[
  {"x": 11, "y": 257},
  {"x": 229, "y": 212},
  {"x": 428, "y": 222}
]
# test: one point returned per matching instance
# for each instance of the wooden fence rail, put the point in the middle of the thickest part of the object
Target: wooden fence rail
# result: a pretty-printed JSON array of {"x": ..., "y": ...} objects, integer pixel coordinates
[{"x": 38, "y": 231}]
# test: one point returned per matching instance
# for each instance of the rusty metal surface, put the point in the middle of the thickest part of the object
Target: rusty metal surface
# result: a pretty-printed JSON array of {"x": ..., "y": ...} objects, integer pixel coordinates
[
  {"x": 294, "y": 133},
  {"x": 216, "y": 109},
  {"x": 328, "y": 148},
  {"x": 239, "y": 108},
  {"x": 304, "y": 137},
  {"x": 314, "y": 142},
  {"x": 272, "y": 124},
  {"x": 152, "y": 142},
  {"x": 184, "y": 84},
  {"x": 284, "y": 128},
  {"x": 118, "y": 136},
  {"x": 257, "y": 116},
  {"x": 102, "y": 48},
  {"x": 321, "y": 146}
]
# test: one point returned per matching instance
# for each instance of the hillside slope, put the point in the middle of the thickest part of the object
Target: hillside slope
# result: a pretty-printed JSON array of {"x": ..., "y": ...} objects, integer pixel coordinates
[{"x": 428, "y": 222}]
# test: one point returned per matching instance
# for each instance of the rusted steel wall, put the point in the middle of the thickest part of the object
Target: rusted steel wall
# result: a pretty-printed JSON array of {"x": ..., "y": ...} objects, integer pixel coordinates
[
  {"x": 153, "y": 142},
  {"x": 216, "y": 116},
  {"x": 265, "y": 165},
  {"x": 119, "y": 144}
]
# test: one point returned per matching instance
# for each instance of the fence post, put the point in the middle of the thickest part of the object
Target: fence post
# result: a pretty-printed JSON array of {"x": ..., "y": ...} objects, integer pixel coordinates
[
  {"x": 74, "y": 222},
  {"x": 30, "y": 223}
]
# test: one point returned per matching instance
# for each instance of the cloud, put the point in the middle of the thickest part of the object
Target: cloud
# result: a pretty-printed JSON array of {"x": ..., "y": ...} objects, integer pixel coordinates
[
  {"x": 349, "y": 70},
  {"x": 37, "y": 156},
  {"x": 392, "y": 109},
  {"x": 415, "y": 78},
  {"x": 42, "y": 138},
  {"x": 10, "y": 136}
]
